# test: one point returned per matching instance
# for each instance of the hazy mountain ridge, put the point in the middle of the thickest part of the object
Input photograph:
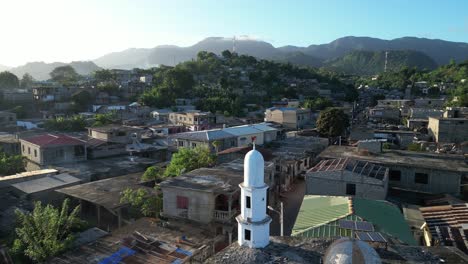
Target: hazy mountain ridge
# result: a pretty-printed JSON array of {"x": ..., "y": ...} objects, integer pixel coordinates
[
  {"x": 41, "y": 70},
  {"x": 314, "y": 55},
  {"x": 363, "y": 62}
]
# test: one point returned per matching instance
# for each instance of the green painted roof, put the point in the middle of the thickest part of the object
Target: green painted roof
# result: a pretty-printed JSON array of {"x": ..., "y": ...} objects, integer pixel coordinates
[
  {"x": 319, "y": 210},
  {"x": 386, "y": 218},
  {"x": 319, "y": 214}
]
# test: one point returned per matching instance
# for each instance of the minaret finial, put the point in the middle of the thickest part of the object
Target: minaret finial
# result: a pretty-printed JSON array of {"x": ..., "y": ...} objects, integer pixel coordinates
[{"x": 253, "y": 141}]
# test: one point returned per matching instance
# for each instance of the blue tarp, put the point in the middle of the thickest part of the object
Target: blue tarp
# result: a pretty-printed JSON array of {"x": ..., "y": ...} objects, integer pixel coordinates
[
  {"x": 177, "y": 261},
  {"x": 182, "y": 251},
  {"x": 118, "y": 256}
]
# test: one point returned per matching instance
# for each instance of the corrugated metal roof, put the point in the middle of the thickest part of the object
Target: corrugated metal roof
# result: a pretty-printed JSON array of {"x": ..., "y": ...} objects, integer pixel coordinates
[
  {"x": 46, "y": 183},
  {"x": 243, "y": 130},
  {"x": 317, "y": 211},
  {"x": 53, "y": 140},
  {"x": 207, "y": 135}
]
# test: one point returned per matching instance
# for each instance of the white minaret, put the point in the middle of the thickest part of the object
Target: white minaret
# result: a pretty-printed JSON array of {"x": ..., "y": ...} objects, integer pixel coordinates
[{"x": 254, "y": 223}]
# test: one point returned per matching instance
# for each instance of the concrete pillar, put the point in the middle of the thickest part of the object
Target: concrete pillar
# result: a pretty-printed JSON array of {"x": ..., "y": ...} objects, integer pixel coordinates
[
  {"x": 229, "y": 204},
  {"x": 119, "y": 218},
  {"x": 98, "y": 208},
  {"x": 230, "y": 238}
]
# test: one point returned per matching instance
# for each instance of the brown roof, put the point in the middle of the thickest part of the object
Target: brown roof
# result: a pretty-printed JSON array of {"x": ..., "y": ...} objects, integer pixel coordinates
[
  {"x": 448, "y": 224},
  {"x": 53, "y": 140}
]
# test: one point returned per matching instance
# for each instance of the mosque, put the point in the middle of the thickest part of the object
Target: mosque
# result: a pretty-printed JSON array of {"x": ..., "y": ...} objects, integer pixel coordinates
[{"x": 254, "y": 222}]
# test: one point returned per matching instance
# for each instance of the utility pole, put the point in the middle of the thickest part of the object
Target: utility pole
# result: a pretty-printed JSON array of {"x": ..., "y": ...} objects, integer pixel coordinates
[{"x": 281, "y": 219}]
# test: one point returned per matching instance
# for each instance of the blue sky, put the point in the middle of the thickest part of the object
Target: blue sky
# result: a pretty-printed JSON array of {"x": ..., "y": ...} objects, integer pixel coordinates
[{"x": 66, "y": 30}]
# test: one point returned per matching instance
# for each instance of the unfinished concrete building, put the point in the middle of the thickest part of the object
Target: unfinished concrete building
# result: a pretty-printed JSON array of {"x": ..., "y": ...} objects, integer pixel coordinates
[
  {"x": 448, "y": 130},
  {"x": 348, "y": 177},
  {"x": 412, "y": 171}
]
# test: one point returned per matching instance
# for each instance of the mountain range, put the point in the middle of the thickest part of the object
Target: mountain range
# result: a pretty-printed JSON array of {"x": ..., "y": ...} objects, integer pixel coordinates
[
  {"x": 41, "y": 70},
  {"x": 355, "y": 55},
  {"x": 439, "y": 51}
]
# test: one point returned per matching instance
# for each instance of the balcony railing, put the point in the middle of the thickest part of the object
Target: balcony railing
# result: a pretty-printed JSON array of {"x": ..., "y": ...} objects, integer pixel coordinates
[{"x": 223, "y": 216}]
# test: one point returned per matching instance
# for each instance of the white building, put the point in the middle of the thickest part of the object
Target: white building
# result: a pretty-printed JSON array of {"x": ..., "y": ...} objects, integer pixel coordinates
[{"x": 253, "y": 222}]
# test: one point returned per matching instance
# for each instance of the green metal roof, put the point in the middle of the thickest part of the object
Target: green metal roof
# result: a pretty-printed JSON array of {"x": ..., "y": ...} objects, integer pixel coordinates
[
  {"x": 386, "y": 218},
  {"x": 319, "y": 210},
  {"x": 319, "y": 215}
]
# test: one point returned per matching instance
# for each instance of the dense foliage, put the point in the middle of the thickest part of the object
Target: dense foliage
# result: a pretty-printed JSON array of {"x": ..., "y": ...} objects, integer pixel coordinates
[
  {"x": 11, "y": 164},
  {"x": 188, "y": 159},
  {"x": 226, "y": 83},
  {"x": 46, "y": 231},
  {"x": 332, "y": 122},
  {"x": 153, "y": 173},
  {"x": 317, "y": 103},
  {"x": 361, "y": 62},
  {"x": 142, "y": 200},
  {"x": 8, "y": 80},
  {"x": 63, "y": 124},
  {"x": 64, "y": 74}
]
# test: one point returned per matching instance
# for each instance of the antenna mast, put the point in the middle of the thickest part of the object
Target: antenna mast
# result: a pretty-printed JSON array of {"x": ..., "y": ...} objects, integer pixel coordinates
[
  {"x": 234, "y": 44},
  {"x": 386, "y": 57}
]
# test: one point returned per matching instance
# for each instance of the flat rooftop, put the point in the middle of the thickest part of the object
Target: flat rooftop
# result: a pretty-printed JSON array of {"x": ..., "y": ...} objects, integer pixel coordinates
[
  {"x": 47, "y": 183},
  {"x": 106, "y": 192},
  {"x": 454, "y": 163}
]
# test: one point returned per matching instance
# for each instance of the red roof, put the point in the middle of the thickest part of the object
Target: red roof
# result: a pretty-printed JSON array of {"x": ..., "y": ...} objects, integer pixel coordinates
[{"x": 53, "y": 140}]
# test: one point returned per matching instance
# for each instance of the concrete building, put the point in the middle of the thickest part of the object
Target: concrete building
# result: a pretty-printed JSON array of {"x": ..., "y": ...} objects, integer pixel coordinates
[
  {"x": 205, "y": 139},
  {"x": 292, "y": 118},
  {"x": 394, "y": 103},
  {"x": 49, "y": 149},
  {"x": 412, "y": 171},
  {"x": 161, "y": 115},
  {"x": 348, "y": 177},
  {"x": 193, "y": 120},
  {"x": 7, "y": 119},
  {"x": 18, "y": 96},
  {"x": 398, "y": 137},
  {"x": 210, "y": 196},
  {"x": 295, "y": 155},
  {"x": 429, "y": 103},
  {"x": 115, "y": 133},
  {"x": 448, "y": 130},
  {"x": 10, "y": 144},
  {"x": 384, "y": 114}
]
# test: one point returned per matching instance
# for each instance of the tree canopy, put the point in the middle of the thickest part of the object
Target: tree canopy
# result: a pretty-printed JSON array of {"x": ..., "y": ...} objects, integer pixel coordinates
[
  {"x": 64, "y": 74},
  {"x": 11, "y": 164},
  {"x": 332, "y": 122},
  {"x": 8, "y": 80},
  {"x": 188, "y": 159},
  {"x": 46, "y": 231}
]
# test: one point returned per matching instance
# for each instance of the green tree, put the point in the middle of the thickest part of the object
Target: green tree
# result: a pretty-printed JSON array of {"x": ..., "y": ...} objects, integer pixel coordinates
[
  {"x": 146, "y": 203},
  {"x": 11, "y": 164},
  {"x": 187, "y": 159},
  {"x": 216, "y": 144},
  {"x": 26, "y": 81},
  {"x": 19, "y": 111},
  {"x": 104, "y": 119},
  {"x": 81, "y": 100},
  {"x": 153, "y": 173},
  {"x": 46, "y": 231},
  {"x": 63, "y": 124},
  {"x": 332, "y": 122},
  {"x": 318, "y": 103},
  {"x": 227, "y": 54},
  {"x": 64, "y": 74},
  {"x": 8, "y": 80}
]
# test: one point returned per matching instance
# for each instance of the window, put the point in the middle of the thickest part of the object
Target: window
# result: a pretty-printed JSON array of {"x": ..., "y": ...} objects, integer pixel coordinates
[
  {"x": 278, "y": 168},
  {"x": 395, "y": 175},
  {"x": 181, "y": 143},
  {"x": 247, "y": 234},
  {"x": 29, "y": 150},
  {"x": 247, "y": 202},
  {"x": 79, "y": 151},
  {"x": 194, "y": 145},
  {"x": 35, "y": 153},
  {"x": 23, "y": 149},
  {"x": 121, "y": 133},
  {"x": 182, "y": 202},
  {"x": 421, "y": 178},
  {"x": 350, "y": 189}
]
